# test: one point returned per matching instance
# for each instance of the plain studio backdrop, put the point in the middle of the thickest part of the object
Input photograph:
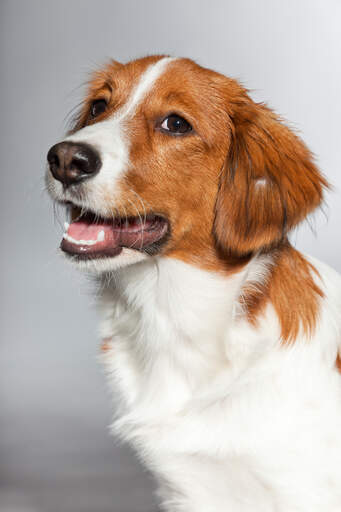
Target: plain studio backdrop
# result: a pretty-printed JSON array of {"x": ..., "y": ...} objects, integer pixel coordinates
[{"x": 56, "y": 452}]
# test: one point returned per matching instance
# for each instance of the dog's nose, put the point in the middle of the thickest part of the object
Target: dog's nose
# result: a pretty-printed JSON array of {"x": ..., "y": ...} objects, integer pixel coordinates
[{"x": 72, "y": 162}]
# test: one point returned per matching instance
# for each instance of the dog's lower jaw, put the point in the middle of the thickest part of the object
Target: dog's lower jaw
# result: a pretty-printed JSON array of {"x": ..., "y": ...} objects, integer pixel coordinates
[
  {"x": 219, "y": 411},
  {"x": 108, "y": 266}
]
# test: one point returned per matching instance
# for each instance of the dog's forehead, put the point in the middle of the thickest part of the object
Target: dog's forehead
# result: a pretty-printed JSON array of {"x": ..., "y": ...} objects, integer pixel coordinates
[
  {"x": 155, "y": 86},
  {"x": 156, "y": 76},
  {"x": 152, "y": 87},
  {"x": 146, "y": 82},
  {"x": 130, "y": 83}
]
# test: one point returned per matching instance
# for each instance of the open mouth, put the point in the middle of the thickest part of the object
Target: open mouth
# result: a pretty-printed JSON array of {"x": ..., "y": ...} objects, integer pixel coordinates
[{"x": 89, "y": 236}]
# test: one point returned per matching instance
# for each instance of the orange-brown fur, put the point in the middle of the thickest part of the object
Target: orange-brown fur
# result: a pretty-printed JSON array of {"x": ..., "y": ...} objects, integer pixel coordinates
[
  {"x": 338, "y": 362},
  {"x": 233, "y": 187},
  {"x": 291, "y": 289},
  {"x": 113, "y": 83},
  {"x": 106, "y": 344}
]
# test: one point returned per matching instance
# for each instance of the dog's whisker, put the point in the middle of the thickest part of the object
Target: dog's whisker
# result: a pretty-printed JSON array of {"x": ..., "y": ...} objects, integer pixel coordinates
[
  {"x": 141, "y": 201},
  {"x": 141, "y": 223}
]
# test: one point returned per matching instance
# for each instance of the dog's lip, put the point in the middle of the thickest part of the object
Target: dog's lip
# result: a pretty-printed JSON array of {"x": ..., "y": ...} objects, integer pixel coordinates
[{"x": 89, "y": 235}]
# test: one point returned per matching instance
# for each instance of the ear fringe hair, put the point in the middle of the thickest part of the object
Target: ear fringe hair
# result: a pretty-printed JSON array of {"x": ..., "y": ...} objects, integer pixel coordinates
[{"x": 269, "y": 183}]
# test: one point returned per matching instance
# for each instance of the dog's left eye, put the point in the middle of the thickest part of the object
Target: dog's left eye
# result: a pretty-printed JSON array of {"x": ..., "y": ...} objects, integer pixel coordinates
[
  {"x": 98, "y": 107},
  {"x": 176, "y": 125}
]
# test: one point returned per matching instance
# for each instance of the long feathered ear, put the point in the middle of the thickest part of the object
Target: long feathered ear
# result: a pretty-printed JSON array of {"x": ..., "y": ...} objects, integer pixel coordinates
[{"x": 269, "y": 182}]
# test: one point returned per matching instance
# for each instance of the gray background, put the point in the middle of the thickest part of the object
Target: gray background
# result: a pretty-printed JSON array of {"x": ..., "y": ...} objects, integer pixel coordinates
[{"x": 56, "y": 453}]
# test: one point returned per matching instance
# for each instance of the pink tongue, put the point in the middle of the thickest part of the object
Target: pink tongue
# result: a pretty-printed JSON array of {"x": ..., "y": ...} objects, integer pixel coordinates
[
  {"x": 84, "y": 231},
  {"x": 81, "y": 231},
  {"x": 86, "y": 238}
]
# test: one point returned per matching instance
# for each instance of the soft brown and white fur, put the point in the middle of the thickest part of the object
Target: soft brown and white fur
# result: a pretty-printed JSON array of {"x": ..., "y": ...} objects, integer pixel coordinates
[{"x": 222, "y": 343}]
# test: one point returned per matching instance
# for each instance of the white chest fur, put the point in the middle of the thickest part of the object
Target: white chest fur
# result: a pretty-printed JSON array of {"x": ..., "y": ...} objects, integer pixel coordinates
[{"x": 225, "y": 417}]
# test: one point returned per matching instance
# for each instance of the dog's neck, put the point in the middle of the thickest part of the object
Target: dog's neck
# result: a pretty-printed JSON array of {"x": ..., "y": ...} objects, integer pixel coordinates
[{"x": 174, "y": 319}]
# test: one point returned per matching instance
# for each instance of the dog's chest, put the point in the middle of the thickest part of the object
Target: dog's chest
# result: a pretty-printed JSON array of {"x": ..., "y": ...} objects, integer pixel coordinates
[
  {"x": 168, "y": 334},
  {"x": 175, "y": 362},
  {"x": 178, "y": 372},
  {"x": 170, "y": 337}
]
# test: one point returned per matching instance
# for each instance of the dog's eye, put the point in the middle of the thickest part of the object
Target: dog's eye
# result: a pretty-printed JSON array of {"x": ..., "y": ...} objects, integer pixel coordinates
[
  {"x": 176, "y": 125},
  {"x": 98, "y": 107}
]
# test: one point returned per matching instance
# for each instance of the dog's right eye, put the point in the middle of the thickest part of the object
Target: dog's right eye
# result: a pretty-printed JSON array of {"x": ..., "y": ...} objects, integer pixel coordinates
[{"x": 98, "y": 107}]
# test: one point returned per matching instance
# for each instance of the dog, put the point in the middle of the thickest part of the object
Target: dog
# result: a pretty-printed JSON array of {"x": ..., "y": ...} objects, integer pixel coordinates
[{"x": 221, "y": 341}]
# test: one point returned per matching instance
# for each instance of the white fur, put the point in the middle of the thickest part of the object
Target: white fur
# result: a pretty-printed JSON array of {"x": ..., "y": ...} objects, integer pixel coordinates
[{"x": 224, "y": 415}]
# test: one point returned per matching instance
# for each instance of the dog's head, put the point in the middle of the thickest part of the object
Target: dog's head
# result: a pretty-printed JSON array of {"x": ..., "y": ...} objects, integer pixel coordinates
[{"x": 169, "y": 158}]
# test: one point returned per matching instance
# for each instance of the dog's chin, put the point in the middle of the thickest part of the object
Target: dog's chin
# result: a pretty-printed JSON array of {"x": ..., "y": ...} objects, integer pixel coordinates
[{"x": 108, "y": 264}]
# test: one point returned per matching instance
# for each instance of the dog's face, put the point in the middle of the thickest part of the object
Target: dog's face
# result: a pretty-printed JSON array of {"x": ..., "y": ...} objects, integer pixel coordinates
[{"x": 168, "y": 158}]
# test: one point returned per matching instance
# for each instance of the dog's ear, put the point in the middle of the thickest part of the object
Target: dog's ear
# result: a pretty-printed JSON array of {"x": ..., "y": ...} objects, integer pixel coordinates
[{"x": 269, "y": 182}]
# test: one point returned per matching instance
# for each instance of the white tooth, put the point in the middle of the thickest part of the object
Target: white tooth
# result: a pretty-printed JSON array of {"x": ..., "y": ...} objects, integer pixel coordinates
[
  {"x": 100, "y": 236},
  {"x": 79, "y": 242},
  {"x": 87, "y": 242},
  {"x": 66, "y": 226}
]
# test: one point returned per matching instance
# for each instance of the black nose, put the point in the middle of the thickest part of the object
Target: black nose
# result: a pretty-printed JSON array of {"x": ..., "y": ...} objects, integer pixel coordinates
[{"x": 71, "y": 162}]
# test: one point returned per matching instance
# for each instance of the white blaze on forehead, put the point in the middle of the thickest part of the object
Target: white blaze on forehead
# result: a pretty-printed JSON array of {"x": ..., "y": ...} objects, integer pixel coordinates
[
  {"x": 146, "y": 82},
  {"x": 111, "y": 140}
]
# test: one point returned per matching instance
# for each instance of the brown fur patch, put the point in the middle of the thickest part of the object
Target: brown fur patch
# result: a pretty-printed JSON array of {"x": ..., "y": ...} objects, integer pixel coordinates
[
  {"x": 269, "y": 184},
  {"x": 292, "y": 291},
  {"x": 338, "y": 362},
  {"x": 114, "y": 83},
  {"x": 106, "y": 344},
  {"x": 178, "y": 177}
]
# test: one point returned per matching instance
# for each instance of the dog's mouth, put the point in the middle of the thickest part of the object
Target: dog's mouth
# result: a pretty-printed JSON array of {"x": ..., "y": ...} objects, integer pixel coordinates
[{"x": 90, "y": 236}]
